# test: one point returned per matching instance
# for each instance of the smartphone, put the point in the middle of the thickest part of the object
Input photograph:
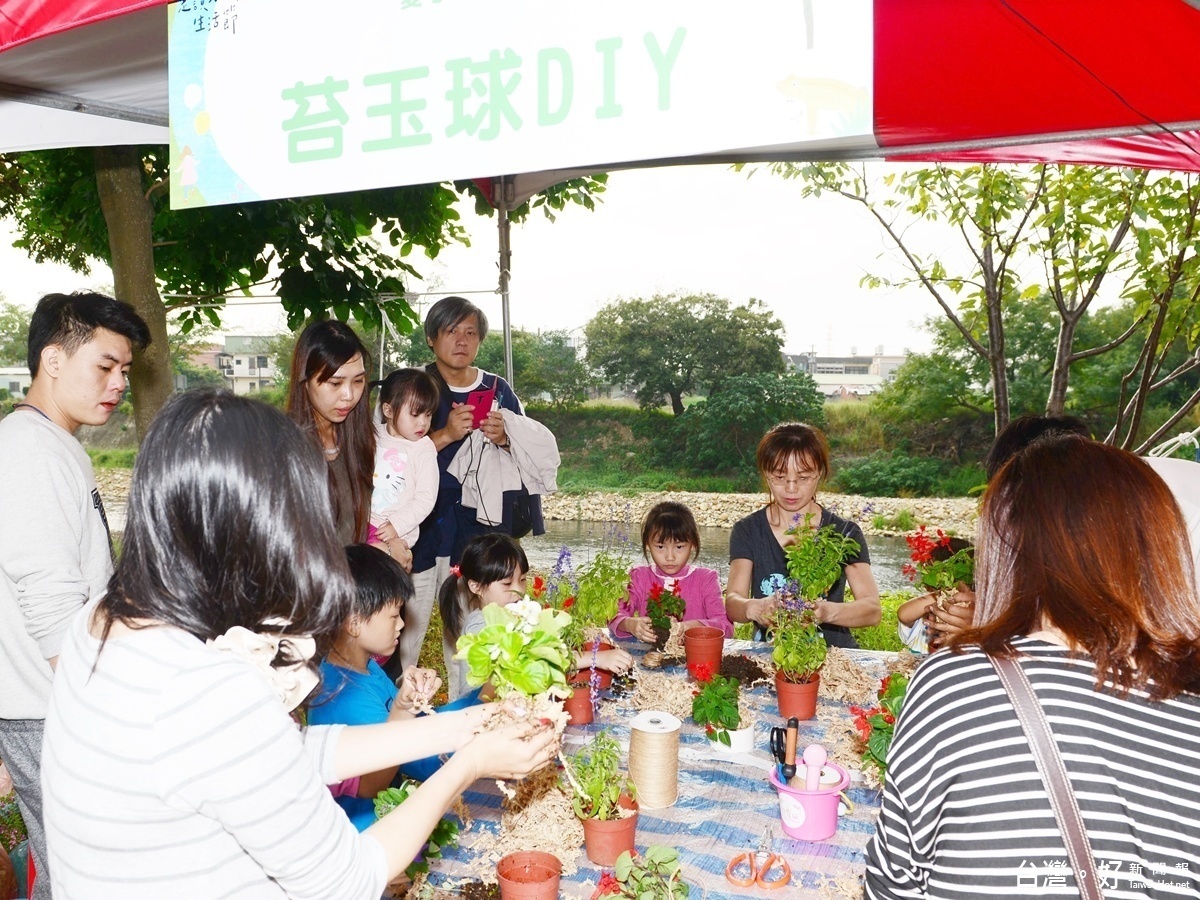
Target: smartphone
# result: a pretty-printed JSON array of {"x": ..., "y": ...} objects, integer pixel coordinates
[{"x": 482, "y": 401}]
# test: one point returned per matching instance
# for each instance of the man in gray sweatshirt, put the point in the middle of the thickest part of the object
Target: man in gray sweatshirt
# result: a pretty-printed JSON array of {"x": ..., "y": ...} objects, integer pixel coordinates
[{"x": 55, "y": 552}]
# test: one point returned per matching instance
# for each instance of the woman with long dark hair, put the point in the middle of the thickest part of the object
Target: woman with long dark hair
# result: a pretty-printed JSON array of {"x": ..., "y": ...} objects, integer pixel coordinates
[
  {"x": 325, "y": 398},
  {"x": 1084, "y": 578},
  {"x": 172, "y": 766}
]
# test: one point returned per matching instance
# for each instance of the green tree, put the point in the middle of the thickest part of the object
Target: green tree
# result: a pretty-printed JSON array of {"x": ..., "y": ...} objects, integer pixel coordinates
[
  {"x": 557, "y": 370},
  {"x": 320, "y": 254},
  {"x": 672, "y": 345},
  {"x": 14, "y": 333},
  {"x": 1080, "y": 226},
  {"x": 721, "y": 433}
]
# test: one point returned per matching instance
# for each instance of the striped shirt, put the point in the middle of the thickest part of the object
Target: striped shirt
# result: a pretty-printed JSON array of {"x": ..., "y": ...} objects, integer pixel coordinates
[
  {"x": 172, "y": 770},
  {"x": 965, "y": 813}
]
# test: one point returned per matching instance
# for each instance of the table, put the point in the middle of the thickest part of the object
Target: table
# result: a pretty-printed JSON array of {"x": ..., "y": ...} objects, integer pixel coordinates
[{"x": 725, "y": 803}]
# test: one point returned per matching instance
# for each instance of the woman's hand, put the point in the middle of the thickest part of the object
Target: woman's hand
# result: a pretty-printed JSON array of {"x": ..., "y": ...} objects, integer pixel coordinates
[
  {"x": 617, "y": 660},
  {"x": 639, "y": 627},
  {"x": 513, "y": 751},
  {"x": 417, "y": 687},
  {"x": 763, "y": 610}
]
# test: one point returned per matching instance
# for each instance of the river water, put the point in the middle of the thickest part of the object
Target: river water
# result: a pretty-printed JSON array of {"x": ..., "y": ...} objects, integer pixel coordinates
[{"x": 584, "y": 539}]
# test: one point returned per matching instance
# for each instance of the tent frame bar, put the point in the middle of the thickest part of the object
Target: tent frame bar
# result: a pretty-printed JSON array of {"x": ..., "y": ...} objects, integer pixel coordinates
[{"x": 17, "y": 94}]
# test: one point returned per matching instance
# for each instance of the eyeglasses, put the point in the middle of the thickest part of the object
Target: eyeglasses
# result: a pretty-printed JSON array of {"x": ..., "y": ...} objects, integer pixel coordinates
[{"x": 781, "y": 479}]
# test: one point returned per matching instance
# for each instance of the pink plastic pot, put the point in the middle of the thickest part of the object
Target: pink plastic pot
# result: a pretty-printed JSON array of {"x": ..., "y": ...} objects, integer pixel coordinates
[{"x": 810, "y": 815}]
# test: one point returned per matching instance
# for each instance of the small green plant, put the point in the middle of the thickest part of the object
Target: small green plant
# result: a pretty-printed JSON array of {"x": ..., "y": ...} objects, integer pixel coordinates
[
  {"x": 445, "y": 832},
  {"x": 602, "y": 584},
  {"x": 876, "y": 726},
  {"x": 655, "y": 876},
  {"x": 715, "y": 704},
  {"x": 520, "y": 650},
  {"x": 903, "y": 520},
  {"x": 799, "y": 646},
  {"x": 816, "y": 556},
  {"x": 939, "y": 563},
  {"x": 594, "y": 779}
]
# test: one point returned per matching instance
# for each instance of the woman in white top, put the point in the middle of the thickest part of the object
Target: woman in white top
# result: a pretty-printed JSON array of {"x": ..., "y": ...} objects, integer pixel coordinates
[{"x": 172, "y": 766}]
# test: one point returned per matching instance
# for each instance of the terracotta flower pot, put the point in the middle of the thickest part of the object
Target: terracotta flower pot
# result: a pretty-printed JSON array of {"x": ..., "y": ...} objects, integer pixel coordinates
[
  {"x": 579, "y": 705},
  {"x": 529, "y": 875},
  {"x": 703, "y": 644},
  {"x": 797, "y": 700},
  {"x": 605, "y": 840},
  {"x": 604, "y": 675}
]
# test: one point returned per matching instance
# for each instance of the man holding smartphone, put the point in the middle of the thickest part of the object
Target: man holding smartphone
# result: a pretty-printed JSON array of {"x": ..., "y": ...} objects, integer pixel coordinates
[{"x": 470, "y": 399}]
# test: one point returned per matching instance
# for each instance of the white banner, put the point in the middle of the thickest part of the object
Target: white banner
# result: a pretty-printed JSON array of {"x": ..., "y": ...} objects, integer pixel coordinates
[{"x": 277, "y": 98}]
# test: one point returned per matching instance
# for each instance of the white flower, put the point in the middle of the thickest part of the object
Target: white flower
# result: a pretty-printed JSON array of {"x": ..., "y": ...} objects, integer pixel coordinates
[
  {"x": 494, "y": 651},
  {"x": 527, "y": 613}
]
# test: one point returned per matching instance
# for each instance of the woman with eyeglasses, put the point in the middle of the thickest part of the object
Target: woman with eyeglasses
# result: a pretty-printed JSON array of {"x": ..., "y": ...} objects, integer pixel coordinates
[{"x": 793, "y": 460}]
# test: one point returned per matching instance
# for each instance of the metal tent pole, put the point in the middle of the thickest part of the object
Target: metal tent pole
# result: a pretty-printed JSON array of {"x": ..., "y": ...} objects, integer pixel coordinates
[{"x": 503, "y": 192}]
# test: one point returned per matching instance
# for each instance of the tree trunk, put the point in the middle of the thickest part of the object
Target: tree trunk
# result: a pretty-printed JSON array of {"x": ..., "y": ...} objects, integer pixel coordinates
[
  {"x": 993, "y": 289},
  {"x": 1057, "y": 401},
  {"x": 676, "y": 402},
  {"x": 128, "y": 215}
]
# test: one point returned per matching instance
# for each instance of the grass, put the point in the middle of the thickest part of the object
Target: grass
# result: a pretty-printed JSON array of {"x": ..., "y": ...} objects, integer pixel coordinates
[
  {"x": 113, "y": 459},
  {"x": 904, "y": 520},
  {"x": 885, "y": 635}
]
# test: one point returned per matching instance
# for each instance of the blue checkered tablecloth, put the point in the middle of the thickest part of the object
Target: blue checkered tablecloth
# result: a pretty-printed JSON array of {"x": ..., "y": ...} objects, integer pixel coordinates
[{"x": 725, "y": 804}]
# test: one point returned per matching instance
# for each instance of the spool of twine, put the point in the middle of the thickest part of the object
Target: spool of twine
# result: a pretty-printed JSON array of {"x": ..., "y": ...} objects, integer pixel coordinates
[{"x": 654, "y": 758}]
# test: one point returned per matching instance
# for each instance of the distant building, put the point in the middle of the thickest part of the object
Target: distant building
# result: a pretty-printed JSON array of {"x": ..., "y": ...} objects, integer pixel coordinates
[
  {"x": 850, "y": 377},
  {"x": 245, "y": 363},
  {"x": 16, "y": 380}
]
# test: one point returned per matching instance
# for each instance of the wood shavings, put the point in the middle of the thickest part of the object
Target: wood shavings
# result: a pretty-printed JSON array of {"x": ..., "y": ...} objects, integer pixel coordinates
[
  {"x": 538, "y": 817},
  {"x": 905, "y": 663},
  {"x": 674, "y": 644},
  {"x": 667, "y": 693},
  {"x": 844, "y": 679},
  {"x": 843, "y": 744},
  {"x": 525, "y": 709},
  {"x": 843, "y": 886}
]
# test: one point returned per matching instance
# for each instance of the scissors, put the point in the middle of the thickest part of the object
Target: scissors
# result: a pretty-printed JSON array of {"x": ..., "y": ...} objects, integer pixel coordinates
[
  {"x": 760, "y": 862},
  {"x": 783, "y": 747}
]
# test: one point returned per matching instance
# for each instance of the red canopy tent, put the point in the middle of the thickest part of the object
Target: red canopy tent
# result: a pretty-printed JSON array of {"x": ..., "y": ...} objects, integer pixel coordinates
[{"x": 1080, "y": 81}]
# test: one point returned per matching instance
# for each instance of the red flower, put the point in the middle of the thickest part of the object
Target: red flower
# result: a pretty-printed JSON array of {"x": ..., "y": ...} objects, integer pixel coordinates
[
  {"x": 863, "y": 729},
  {"x": 708, "y": 729},
  {"x": 655, "y": 592},
  {"x": 539, "y": 586},
  {"x": 568, "y": 603},
  {"x": 702, "y": 672},
  {"x": 607, "y": 884},
  {"x": 889, "y": 718},
  {"x": 883, "y": 685}
]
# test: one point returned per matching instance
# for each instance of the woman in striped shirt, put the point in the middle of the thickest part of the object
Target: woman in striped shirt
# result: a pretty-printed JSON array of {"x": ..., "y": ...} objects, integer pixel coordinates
[
  {"x": 1085, "y": 575},
  {"x": 172, "y": 767}
]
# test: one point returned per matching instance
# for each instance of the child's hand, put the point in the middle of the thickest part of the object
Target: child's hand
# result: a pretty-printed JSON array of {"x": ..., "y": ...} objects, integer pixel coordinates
[
  {"x": 957, "y": 617},
  {"x": 617, "y": 661},
  {"x": 417, "y": 687},
  {"x": 386, "y": 532},
  {"x": 639, "y": 627},
  {"x": 398, "y": 550}
]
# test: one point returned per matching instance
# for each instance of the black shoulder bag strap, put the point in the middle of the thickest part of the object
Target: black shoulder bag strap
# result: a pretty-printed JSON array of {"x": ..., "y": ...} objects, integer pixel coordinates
[{"x": 1054, "y": 774}]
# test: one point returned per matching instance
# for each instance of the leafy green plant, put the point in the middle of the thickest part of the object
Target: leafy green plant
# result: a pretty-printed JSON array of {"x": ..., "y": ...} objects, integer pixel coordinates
[
  {"x": 520, "y": 650},
  {"x": 903, "y": 520},
  {"x": 602, "y": 583},
  {"x": 815, "y": 557},
  {"x": 657, "y": 875},
  {"x": 594, "y": 779},
  {"x": 889, "y": 475},
  {"x": 445, "y": 832},
  {"x": 939, "y": 563},
  {"x": 715, "y": 704},
  {"x": 799, "y": 646}
]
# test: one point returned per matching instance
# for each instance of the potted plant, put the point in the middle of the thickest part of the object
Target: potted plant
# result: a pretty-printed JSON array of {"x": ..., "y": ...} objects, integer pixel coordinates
[
  {"x": 716, "y": 706},
  {"x": 799, "y": 652},
  {"x": 656, "y": 875},
  {"x": 663, "y": 608},
  {"x": 603, "y": 799},
  {"x": 876, "y": 725}
]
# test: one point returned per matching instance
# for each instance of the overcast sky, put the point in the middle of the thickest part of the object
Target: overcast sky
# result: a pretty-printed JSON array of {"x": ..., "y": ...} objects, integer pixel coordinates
[{"x": 686, "y": 229}]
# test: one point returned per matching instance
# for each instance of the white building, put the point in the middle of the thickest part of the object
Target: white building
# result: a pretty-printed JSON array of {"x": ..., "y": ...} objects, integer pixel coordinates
[
  {"x": 850, "y": 377},
  {"x": 15, "y": 379},
  {"x": 246, "y": 364}
]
